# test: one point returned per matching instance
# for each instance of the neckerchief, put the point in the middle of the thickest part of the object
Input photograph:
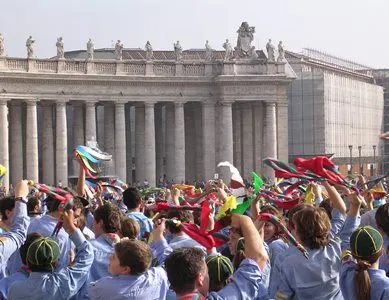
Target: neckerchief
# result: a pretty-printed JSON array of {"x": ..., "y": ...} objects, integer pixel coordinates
[
  {"x": 111, "y": 238},
  {"x": 3, "y": 226},
  {"x": 192, "y": 296},
  {"x": 24, "y": 270}
]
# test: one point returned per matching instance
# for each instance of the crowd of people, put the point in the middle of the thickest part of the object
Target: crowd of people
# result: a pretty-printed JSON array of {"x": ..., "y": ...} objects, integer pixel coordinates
[{"x": 184, "y": 246}]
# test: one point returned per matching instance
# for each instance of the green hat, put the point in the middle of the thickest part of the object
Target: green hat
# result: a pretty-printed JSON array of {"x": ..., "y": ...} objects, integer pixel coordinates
[
  {"x": 219, "y": 268},
  {"x": 43, "y": 252},
  {"x": 365, "y": 242}
]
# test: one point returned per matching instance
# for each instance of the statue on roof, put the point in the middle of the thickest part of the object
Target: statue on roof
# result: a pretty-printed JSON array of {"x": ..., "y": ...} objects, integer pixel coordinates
[
  {"x": 208, "y": 51},
  {"x": 1, "y": 45},
  {"x": 270, "y": 51},
  {"x": 229, "y": 54},
  {"x": 281, "y": 52},
  {"x": 30, "y": 49},
  {"x": 90, "y": 49},
  {"x": 119, "y": 50},
  {"x": 60, "y": 48},
  {"x": 178, "y": 51},
  {"x": 243, "y": 47},
  {"x": 149, "y": 51}
]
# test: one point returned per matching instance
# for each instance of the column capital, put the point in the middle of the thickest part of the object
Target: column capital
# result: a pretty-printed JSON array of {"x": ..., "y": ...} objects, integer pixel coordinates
[
  {"x": 31, "y": 102},
  {"x": 208, "y": 103},
  {"x": 179, "y": 104},
  {"x": 90, "y": 102},
  {"x": 282, "y": 104},
  {"x": 150, "y": 103},
  {"x": 4, "y": 101},
  {"x": 226, "y": 102},
  {"x": 120, "y": 104},
  {"x": 270, "y": 103},
  {"x": 61, "y": 101}
]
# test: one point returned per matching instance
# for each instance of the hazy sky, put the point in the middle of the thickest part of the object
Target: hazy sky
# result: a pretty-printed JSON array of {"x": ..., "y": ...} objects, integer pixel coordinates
[{"x": 356, "y": 30}]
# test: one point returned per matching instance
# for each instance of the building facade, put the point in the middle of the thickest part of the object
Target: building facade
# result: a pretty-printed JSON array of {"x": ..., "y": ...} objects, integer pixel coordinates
[
  {"x": 335, "y": 108},
  {"x": 174, "y": 113}
]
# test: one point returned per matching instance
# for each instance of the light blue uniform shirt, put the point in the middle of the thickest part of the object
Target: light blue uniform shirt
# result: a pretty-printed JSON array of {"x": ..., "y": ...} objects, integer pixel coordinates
[
  {"x": 384, "y": 259},
  {"x": 153, "y": 284},
  {"x": 102, "y": 249},
  {"x": 145, "y": 224},
  {"x": 58, "y": 285},
  {"x": 12, "y": 240},
  {"x": 5, "y": 283},
  {"x": 185, "y": 241},
  {"x": 316, "y": 277},
  {"x": 246, "y": 283},
  {"x": 276, "y": 251}
]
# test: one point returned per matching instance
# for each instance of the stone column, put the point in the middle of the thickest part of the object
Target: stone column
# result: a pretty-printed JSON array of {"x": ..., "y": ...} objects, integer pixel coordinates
[
  {"x": 247, "y": 147},
  {"x": 140, "y": 142},
  {"x": 169, "y": 145},
  {"x": 159, "y": 142},
  {"x": 149, "y": 143},
  {"x": 199, "y": 141},
  {"x": 190, "y": 142},
  {"x": 209, "y": 159},
  {"x": 48, "y": 174},
  {"x": 120, "y": 141},
  {"x": 237, "y": 135},
  {"x": 78, "y": 130},
  {"x": 4, "y": 151},
  {"x": 31, "y": 141},
  {"x": 282, "y": 131},
  {"x": 258, "y": 136},
  {"x": 16, "y": 140},
  {"x": 129, "y": 163},
  {"x": 90, "y": 121},
  {"x": 179, "y": 142},
  {"x": 226, "y": 140},
  {"x": 61, "y": 145},
  {"x": 109, "y": 137},
  {"x": 269, "y": 137}
]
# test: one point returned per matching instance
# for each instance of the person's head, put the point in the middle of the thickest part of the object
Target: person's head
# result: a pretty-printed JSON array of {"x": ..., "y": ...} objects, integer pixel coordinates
[
  {"x": 187, "y": 271},
  {"x": 220, "y": 270},
  {"x": 326, "y": 205},
  {"x": 42, "y": 255},
  {"x": 24, "y": 248},
  {"x": 33, "y": 206},
  {"x": 78, "y": 211},
  {"x": 130, "y": 228},
  {"x": 52, "y": 204},
  {"x": 291, "y": 213},
  {"x": 132, "y": 198},
  {"x": 311, "y": 227},
  {"x": 180, "y": 215},
  {"x": 106, "y": 220},
  {"x": 131, "y": 257},
  {"x": 366, "y": 245},
  {"x": 7, "y": 207},
  {"x": 382, "y": 218},
  {"x": 271, "y": 231}
]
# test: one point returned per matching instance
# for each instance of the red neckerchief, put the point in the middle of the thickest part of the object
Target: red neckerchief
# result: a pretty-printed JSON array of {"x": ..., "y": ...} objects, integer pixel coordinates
[
  {"x": 111, "y": 238},
  {"x": 192, "y": 296},
  {"x": 24, "y": 270}
]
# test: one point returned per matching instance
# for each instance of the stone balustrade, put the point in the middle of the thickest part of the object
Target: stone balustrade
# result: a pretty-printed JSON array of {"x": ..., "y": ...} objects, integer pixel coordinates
[{"x": 141, "y": 67}]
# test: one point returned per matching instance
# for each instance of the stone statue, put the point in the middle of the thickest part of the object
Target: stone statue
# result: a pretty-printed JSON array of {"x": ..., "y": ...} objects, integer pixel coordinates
[
  {"x": 30, "y": 49},
  {"x": 90, "y": 49},
  {"x": 149, "y": 51},
  {"x": 228, "y": 55},
  {"x": 270, "y": 51},
  {"x": 243, "y": 47},
  {"x": 60, "y": 48},
  {"x": 208, "y": 51},
  {"x": 178, "y": 51},
  {"x": 281, "y": 52},
  {"x": 119, "y": 50},
  {"x": 1, "y": 45}
]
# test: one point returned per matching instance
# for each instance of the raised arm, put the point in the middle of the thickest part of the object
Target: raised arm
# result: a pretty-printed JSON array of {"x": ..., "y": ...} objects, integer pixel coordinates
[
  {"x": 81, "y": 178},
  {"x": 12, "y": 240},
  {"x": 336, "y": 199}
]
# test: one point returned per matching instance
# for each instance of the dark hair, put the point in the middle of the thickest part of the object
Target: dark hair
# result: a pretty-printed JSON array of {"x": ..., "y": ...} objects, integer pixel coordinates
[
  {"x": 32, "y": 203},
  {"x": 294, "y": 210},
  {"x": 182, "y": 267},
  {"x": 362, "y": 278},
  {"x": 180, "y": 215},
  {"x": 382, "y": 218},
  {"x": 24, "y": 248},
  {"x": 130, "y": 228},
  {"x": 275, "y": 212},
  {"x": 132, "y": 197},
  {"x": 326, "y": 205},
  {"x": 51, "y": 203},
  {"x": 313, "y": 227},
  {"x": 134, "y": 254},
  {"x": 78, "y": 204},
  {"x": 7, "y": 203},
  {"x": 110, "y": 215}
]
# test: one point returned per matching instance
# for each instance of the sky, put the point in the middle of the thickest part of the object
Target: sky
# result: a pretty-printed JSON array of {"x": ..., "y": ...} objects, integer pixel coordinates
[{"x": 355, "y": 30}]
